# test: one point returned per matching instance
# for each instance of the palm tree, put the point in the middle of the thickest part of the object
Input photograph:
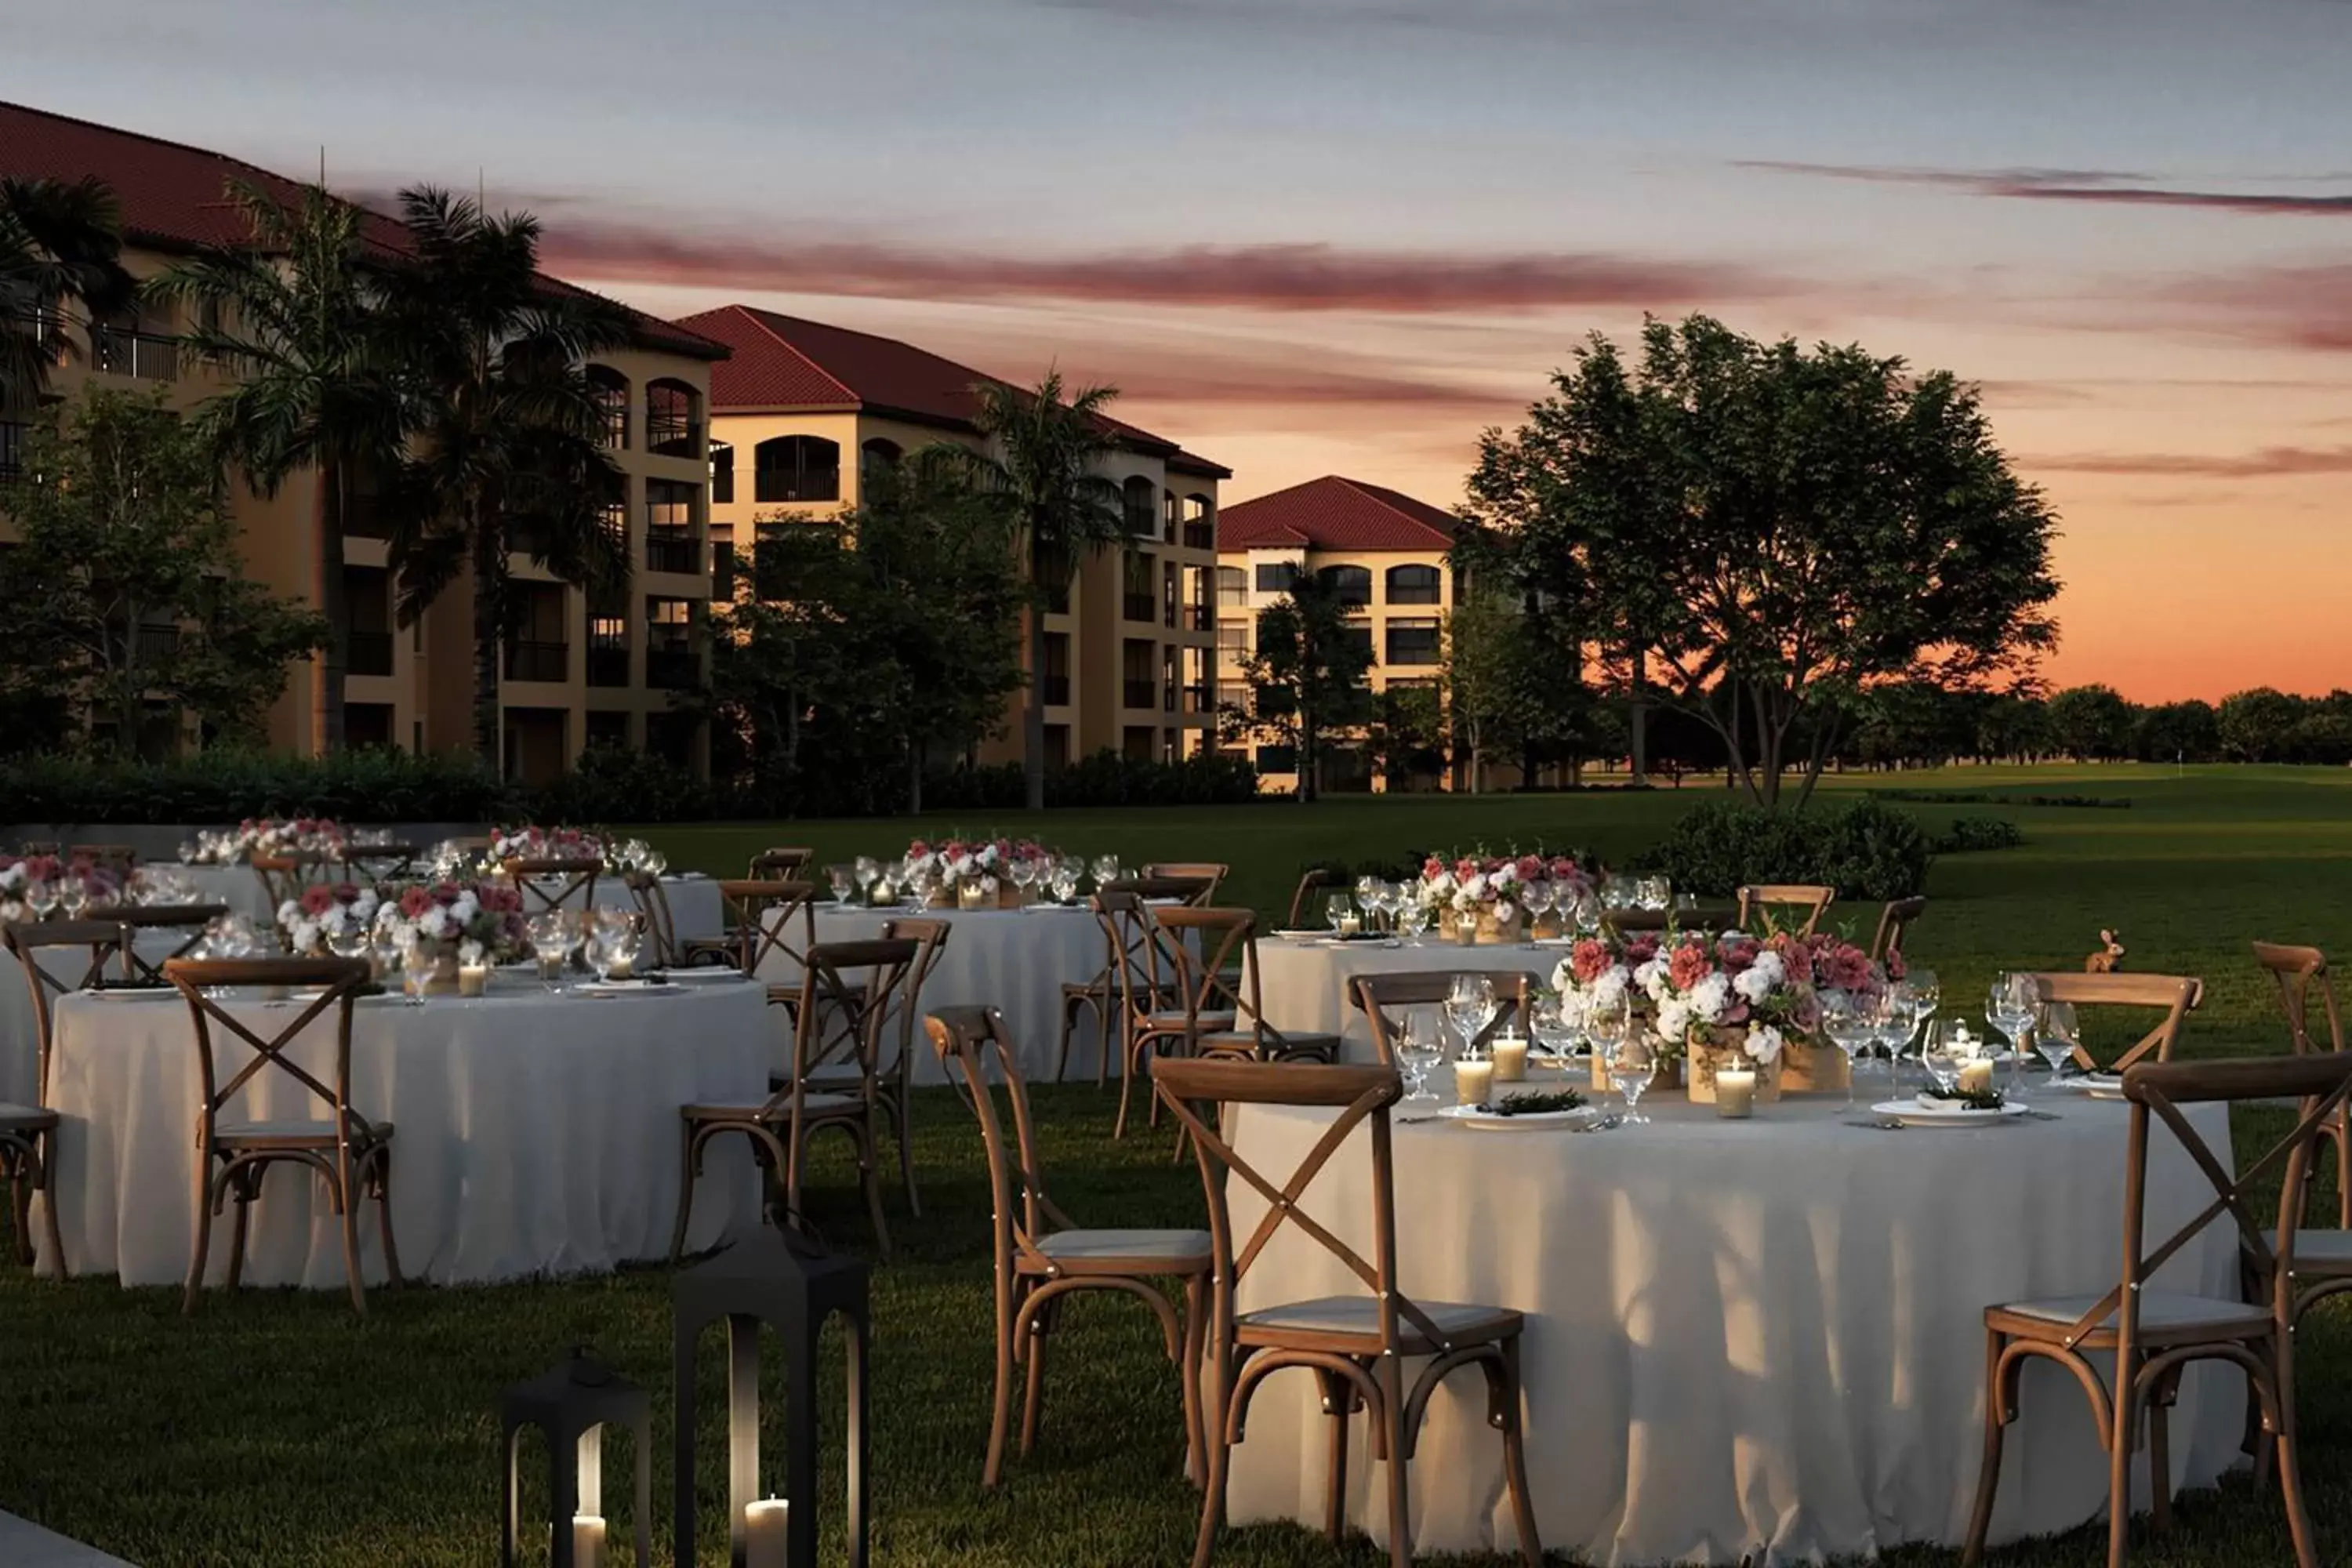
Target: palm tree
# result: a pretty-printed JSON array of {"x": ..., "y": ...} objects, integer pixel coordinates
[
  {"x": 58, "y": 242},
  {"x": 509, "y": 453},
  {"x": 1046, "y": 467},
  {"x": 296, "y": 319}
]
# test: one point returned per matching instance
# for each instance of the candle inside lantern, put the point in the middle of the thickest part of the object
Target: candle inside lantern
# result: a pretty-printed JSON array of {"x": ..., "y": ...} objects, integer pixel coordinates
[
  {"x": 1976, "y": 1075},
  {"x": 1735, "y": 1093},
  {"x": 766, "y": 1543},
  {"x": 472, "y": 978},
  {"x": 1351, "y": 925},
  {"x": 967, "y": 895},
  {"x": 588, "y": 1541},
  {"x": 1474, "y": 1079},
  {"x": 1510, "y": 1054},
  {"x": 1466, "y": 931}
]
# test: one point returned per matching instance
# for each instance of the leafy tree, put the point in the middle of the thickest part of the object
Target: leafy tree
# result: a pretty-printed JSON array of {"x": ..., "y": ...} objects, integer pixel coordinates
[
  {"x": 2091, "y": 724},
  {"x": 2256, "y": 725},
  {"x": 778, "y": 658},
  {"x": 125, "y": 589},
  {"x": 295, "y": 317},
  {"x": 508, "y": 454},
  {"x": 58, "y": 242},
  {"x": 2178, "y": 732},
  {"x": 1408, "y": 735},
  {"x": 1482, "y": 634},
  {"x": 2014, "y": 725},
  {"x": 1307, "y": 678},
  {"x": 1046, "y": 467}
]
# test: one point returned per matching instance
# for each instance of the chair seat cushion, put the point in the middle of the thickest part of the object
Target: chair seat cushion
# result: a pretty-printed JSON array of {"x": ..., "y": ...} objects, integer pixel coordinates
[
  {"x": 1173, "y": 1023},
  {"x": 2159, "y": 1311},
  {"x": 1462, "y": 1322},
  {"x": 1286, "y": 1047},
  {"x": 811, "y": 1105},
  {"x": 291, "y": 1131},
  {"x": 1105, "y": 1249},
  {"x": 26, "y": 1117},
  {"x": 2331, "y": 1249}
]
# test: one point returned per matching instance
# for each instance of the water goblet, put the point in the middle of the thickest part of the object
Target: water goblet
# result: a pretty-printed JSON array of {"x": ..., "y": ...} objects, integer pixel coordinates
[
  {"x": 1469, "y": 1007},
  {"x": 1419, "y": 1049},
  {"x": 1336, "y": 910},
  {"x": 1948, "y": 1048},
  {"x": 2057, "y": 1032},
  {"x": 1024, "y": 876},
  {"x": 1633, "y": 1062},
  {"x": 1585, "y": 912},
  {"x": 842, "y": 880},
  {"x": 1536, "y": 898},
  {"x": 41, "y": 897},
  {"x": 1851, "y": 1023},
  {"x": 1106, "y": 870},
  {"x": 73, "y": 896},
  {"x": 868, "y": 870},
  {"x": 417, "y": 964},
  {"x": 1411, "y": 917}
]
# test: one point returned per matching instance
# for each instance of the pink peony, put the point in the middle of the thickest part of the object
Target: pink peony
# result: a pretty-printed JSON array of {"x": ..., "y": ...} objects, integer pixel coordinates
[
  {"x": 498, "y": 901},
  {"x": 347, "y": 892},
  {"x": 1432, "y": 870},
  {"x": 1687, "y": 966},
  {"x": 918, "y": 849},
  {"x": 318, "y": 898},
  {"x": 1588, "y": 960},
  {"x": 42, "y": 868},
  {"x": 1641, "y": 948},
  {"x": 414, "y": 902},
  {"x": 1530, "y": 867},
  {"x": 1738, "y": 953},
  {"x": 1796, "y": 957}
]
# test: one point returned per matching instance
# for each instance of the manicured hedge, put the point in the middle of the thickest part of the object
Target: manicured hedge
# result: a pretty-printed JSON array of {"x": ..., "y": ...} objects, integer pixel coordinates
[{"x": 1864, "y": 849}]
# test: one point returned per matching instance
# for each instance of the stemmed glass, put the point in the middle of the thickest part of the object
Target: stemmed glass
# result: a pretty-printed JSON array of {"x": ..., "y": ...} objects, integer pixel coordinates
[
  {"x": 842, "y": 880},
  {"x": 1852, "y": 1022},
  {"x": 1586, "y": 913},
  {"x": 1469, "y": 1007},
  {"x": 1948, "y": 1047},
  {"x": 1551, "y": 1027},
  {"x": 1412, "y": 916},
  {"x": 418, "y": 963},
  {"x": 2056, "y": 1033},
  {"x": 868, "y": 870},
  {"x": 1419, "y": 1048},
  {"x": 551, "y": 940},
  {"x": 1536, "y": 898},
  {"x": 1024, "y": 876},
  {"x": 41, "y": 897},
  {"x": 1632, "y": 1059},
  {"x": 2010, "y": 1007},
  {"x": 1336, "y": 910},
  {"x": 1106, "y": 868},
  {"x": 1065, "y": 880}
]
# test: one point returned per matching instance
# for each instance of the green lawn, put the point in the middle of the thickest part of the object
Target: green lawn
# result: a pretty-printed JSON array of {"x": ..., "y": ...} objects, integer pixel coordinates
[{"x": 275, "y": 1431}]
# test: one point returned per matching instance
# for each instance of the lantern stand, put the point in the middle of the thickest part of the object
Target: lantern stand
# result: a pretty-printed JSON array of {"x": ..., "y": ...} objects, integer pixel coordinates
[
  {"x": 573, "y": 1405},
  {"x": 793, "y": 1286}
]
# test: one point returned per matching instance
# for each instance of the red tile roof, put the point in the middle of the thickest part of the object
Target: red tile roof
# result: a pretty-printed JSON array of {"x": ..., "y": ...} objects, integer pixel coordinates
[
  {"x": 176, "y": 198},
  {"x": 1334, "y": 513},
  {"x": 788, "y": 363}
]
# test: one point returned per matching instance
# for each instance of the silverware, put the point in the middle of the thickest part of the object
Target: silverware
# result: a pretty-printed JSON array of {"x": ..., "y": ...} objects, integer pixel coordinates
[
  {"x": 1877, "y": 1124},
  {"x": 1603, "y": 1125}
]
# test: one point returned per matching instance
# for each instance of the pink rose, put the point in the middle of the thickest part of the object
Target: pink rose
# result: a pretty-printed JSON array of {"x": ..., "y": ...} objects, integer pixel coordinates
[
  {"x": 1688, "y": 967},
  {"x": 1641, "y": 948},
  {"x": 318, "y": 898},
  {"x": 1588, "y": 960},
  {"x": 414, "y": 902},
  {"x": 918, "y": 849},
  {"x": 1432, "y": 870},
  {"x": 1531, "y": 867}
]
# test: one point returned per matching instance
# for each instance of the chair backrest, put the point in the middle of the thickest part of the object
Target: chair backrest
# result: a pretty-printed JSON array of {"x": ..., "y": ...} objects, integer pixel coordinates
[
  {"x": 779, "y": 865},
  {"x": 1361, "y": 1096},
  {"x": 1138, "y": 961},
  {"x": 1378, "y": 997},
  {"x": 1208, "y": 874},
  {"x": 1894, "y": 917},
  {"x": 2298, "y": 970},
  {"x": 100, "y": 943},
  {"x": 930, "y": 940},
  {"x": 1205, "y": 948},
  {"x": 281, "y": 877},
  {"x": 1808, "y": 899},
  {"x": 2318, "y": 1083},
  {"x": 190, "y": 919},
  {"x": 848, "y": 990},
  {"x": 119, "y": 858},
  {"x": 1312, "y": 882},
  {"x": 574, "y": 879},
  {"x": 339, "y": 981},
  {"x": 380, "y": 860},
  {"x": 653, "y": 902},
  {"x": 2176, "y": 994},
  {"x": 967, "y": 1038},
  {"x": 769, "y": 918}
]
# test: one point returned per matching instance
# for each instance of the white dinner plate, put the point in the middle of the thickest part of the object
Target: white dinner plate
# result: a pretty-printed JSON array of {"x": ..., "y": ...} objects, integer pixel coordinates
[
  {"x": 2098, "y": 1085},
  {"x": 1915, "y": 1112},
  {"x": 1055, "y": 910},
  {"x": 1530, "y": 1122},
  {"x": 135, "y": 993},
  {"x": 706, "y": 974},
  {"x": 630, "y": 988},
  {"x": 1555, "y": 941}
]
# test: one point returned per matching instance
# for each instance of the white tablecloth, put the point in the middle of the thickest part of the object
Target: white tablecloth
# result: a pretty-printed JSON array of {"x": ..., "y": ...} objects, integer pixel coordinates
[
  {"x": 236, "y": 885},
  {"x": 533, "y": 1133},
  {"x": 694, "y": 902},
  {"x": 1742, "y": 1337},
  {"x": 1304, "y": 984},
  {"x": 20, "y": 1044},
  {"x": 1015, "y": 960}
]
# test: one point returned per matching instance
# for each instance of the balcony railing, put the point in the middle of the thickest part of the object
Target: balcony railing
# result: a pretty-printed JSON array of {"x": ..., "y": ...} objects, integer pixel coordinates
[
  {"x": 672, "y": 552},
  {"x": 608, "y": 666},
  {"x": 1200, "y": 698},
  {"x": 370, "y": 653},
  {"x": 1138, "y": 693},
  {"x": 1199, "y": 618},
  {"x": 1055, "y": 690},
  {"x": 13, "y": 435},
  {"x": 1169, "y": 611},
  {"x": 819, "y": 484},
  {"x": 672, "y": 668},
  {"x": 539, "y": 660},
  {"x": 146, "y": 355},
  {"x": 1199, "y": 536},
  {"x": 673, "y": 437},
  {"x": 157, "y": 645},
  {"x": 1139, "y": 606}
]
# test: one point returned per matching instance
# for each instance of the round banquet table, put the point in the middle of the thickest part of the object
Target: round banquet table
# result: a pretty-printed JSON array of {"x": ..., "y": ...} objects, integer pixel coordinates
[
  {"x": 533, "y": 1133},
  {"x": 1763, "y": 1337},
  {"x": 1303, "y": 981},
  {"x": 236, "y": 885},
  {"x": 20, "y": 1042},
  {"x": 694, "y": 903},
  {"x": 1014, "y": 959}
]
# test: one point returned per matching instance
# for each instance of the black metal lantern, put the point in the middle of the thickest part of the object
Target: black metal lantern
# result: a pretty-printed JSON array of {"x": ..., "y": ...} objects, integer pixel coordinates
[
  {"x": 793, "y": 1286},
  {"x": 571, "y": 1405}
]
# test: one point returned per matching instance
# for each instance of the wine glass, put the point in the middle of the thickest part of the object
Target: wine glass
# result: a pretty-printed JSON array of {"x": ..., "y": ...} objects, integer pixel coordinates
[
  {"x": 1584, "y": 911},
  {"x": 1106, "y": 870},
  {"x": 1632, "y": 1060},
  {"x": 1536, "y": 898},
  {"x": 1551, "y": 1028},
  {"x": 41, "y": 897},
  {"x": 1851, "y": 1023},
  {"x": 1419, "y": 1048},
  {"x": 1469, "y": 1006},
  {"x": 418, "y": 963},
  {"x": 1065, "y": 880},
  {"x": 1024, "y": 876},
  {"x": 350, "y": 940},
  {"x": 1948, "y": 1048},
  {"x": 2009, "y": 1008},
  {"x": 2057, "y": 1031},
  {"x": 868, "y": 870},
  {"x": 73, "y": 896},
  {"x": 1336, "y": 910},
  {"x": 551, "y": 940},
  {"x": 842, "y": 880}
]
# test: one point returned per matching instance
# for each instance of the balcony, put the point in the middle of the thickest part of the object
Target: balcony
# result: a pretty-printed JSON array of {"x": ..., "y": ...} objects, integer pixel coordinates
[
  {"x": 539, "y": 660},
  {"x": 157, "y": 645},
  {"x": 673, "y": 437},
  {"x": 1140, "y": 608},
  {"x": 148, "y": 356},
  {"x": 1056, "y": 690},
  {"x": 1200, "y": 698},
  {"x": 13, "y": 435},
  {"x": 1137, "y": 693},
  {"x": 1169, "y": 612},
  {"x": 1199, "y": 618},
  {"x": 1199, "y": 536},
  {"x": 672, "y": 668},
  {"x": 672, "y": 550},
  {"x": 607, "y": 665},
  {"x": 807, "y": 485},
  {"x": 370, "y": 654}
]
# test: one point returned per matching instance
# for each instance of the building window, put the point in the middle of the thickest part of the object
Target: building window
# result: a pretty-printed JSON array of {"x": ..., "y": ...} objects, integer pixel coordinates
[
  {"x": 669, "y": 527},
  {"x": 611, "y": 389},
  {"x": 1276, "y": 577},
  {"x": 608, "y": 730},
  {"x": 1137, "y": 594},
  {"x": 722, "y": 473},
  {"x": 672, "y": 662},
  {"x": 536, "y": 647},
  {"x": 875, "y": 458},
  {"x": 673, "y": 419},
  {"x": 796, "y": 469},
  {"x": 1055, "y": 679},
  {"x": 1233, "y": 588},
  {"x": 1361, "y": 639},
  {"x": 1199, "y": 522},
  {"x": 1136, "y": 688},
  {"x": 1413, "y": 642},
  {"x": 1277, "y": 760},
  {"x": 1350, "y": 586},
  {"x": 1416, "y": 585},
  {"x": 1137, "y": 499},
  {"x": 608, "y": 646},
  {"x": 1233, "y": 637}
]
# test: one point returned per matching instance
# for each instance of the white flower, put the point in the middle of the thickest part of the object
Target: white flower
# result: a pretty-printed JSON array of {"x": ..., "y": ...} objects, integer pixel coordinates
[
  {"x": 1709, "y": 998},
  {"x": 1563, "y": 978},
  {"x": 1755, "y": 984},
  {"x": 1673, "y": 1021},
  {"x": 1769, "y": 962},
  {"x": 1608, "y": 988},
  {"x": 1651, "y": 975},
  {"x": 1764, "y": 1042},
  {"x": 290, "y": 914}
]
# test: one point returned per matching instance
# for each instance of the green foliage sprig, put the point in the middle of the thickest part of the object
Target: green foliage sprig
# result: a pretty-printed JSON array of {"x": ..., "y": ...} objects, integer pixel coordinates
[{"x": 1536, "y": 1104}]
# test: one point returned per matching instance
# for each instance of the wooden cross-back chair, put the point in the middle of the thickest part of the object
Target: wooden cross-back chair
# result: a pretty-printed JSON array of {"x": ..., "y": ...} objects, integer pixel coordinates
[
  {"x": 575, "y": 884},
  {"x": 1894, "y": 917},
  {"x": 764, "y": 919},
  {"x": 1812, "y": 899},
  {"x": 1711, "y": 917},
  {"x": 1209, "y": 874},
  {"x": 282, "y": 878},
  {"x": 2152, "y": 1336},
  {"x": 190, "y": 920},
  {"x": 119, "y": 858},
  {"x": 782, "y": 864},
  {"x": 1181, "y": 889},
  {"x": 348, "y": 1151},
  {"x": 28, "y": 1134},
  {"x": 1356, "y": 1345},
  {"x": 894, "y": 1072},
  {"x": 1214, "y": 954},
  {"x": 847, "y": 990},
  {"x": 1144, "y": 982},
  {"x": 1380, "y": 997},
  {"x": 1126, "y": 942},
  {"x": 375, "y": 862},
  {"x": 1310, "y": 883},
  {"x": 1041, "y": 1255},
  {"x": 2300, "y": 971},
  {"x": 2174, "y": 994},
  {"x": 645, "y": 890}
]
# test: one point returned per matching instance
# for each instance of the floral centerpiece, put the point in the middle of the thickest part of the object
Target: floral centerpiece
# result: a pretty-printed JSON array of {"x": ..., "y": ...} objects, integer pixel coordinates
[
  {"x": 534, "y": 843},
  {"x": 290, "y": 837},
  {"x": 444, "y": 914},
  {"x": 1490, "y": 895},
  {"x": 982, "y": 873},
  {"x": 1841, "y": 975},
  {"x": 18, "y": 876},
  {"x": 328, "y": 917},
  {"x": 1731, "y": 1000},
  {"x": 37, "y": 886}
]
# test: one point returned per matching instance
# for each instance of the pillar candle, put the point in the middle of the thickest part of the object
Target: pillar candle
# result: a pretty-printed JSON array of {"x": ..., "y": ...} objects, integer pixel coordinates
[
  {"x": 1976, "y": 1075},
  {"x": 1735, "y": 1093},
  {"x": 471, "y": 979},
  {"x": 1510, "y": 1054},
  {"x": 1474, "y": 1079},
  {"x": 767, "y": 1543},
  {"x": 587, "y": 1541}
]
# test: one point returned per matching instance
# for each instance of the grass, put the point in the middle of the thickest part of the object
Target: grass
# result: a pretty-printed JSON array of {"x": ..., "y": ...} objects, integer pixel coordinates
[{"x": 275, "y": 1431}]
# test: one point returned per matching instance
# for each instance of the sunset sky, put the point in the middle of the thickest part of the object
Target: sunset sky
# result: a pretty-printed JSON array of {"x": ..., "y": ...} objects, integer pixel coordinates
[{"x": 1318, "y": 236}]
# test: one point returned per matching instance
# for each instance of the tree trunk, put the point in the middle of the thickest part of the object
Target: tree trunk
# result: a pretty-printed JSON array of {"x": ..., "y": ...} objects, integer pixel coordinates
[
  {"x": 1033, "y": 718},
  {"x": 487, "y": 628},
  {"x": 327, "y": 679},
  {"x": 1637, "y": 721}
]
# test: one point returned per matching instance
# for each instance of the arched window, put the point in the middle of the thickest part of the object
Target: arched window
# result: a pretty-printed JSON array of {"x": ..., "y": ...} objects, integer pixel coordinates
[
  {"x": 1137, "y": 495},
  {"x": 1416, "y": 585},
  {"x": 877, "y": 456},
  {"x": 673, "y": 419},
  {"x": 611, "y": 389},
  {"x": 1233, "y": 588},
  {"x": 722, "y": 473},
  {"x": 1349, "y": 586},
  {"x": 796, "y": 469}
]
